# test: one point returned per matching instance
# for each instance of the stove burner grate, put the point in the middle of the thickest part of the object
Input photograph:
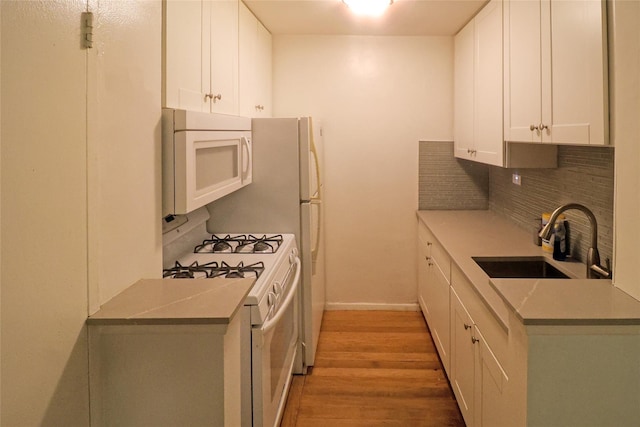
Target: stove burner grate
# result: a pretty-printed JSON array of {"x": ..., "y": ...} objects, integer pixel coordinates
[
  {"x": 240, "y": 271},
  {"x": 192, "y": 271},
  {"x": 240, "y": 244},
  {"x": 213, "y": 269}
]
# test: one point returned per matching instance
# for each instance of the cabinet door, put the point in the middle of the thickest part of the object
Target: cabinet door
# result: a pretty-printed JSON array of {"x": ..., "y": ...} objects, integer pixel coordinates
[
  {"x": 574, "y": 78},
  {"x": 487, "y": 88},
  {"x": 490, "y": 404},
  {"x": 424, "y": 270},
  {"x": 255, "y": 66},
  {"x": 522, "y": 98},
  {"x": 223, "y": 79},
  {"x": 463, "y": 92},
  {"x": 264, "y": 71},
  {"x": 186, "y": 55},
  {"x": 462, "y": 359},
  {"x": 438, "y": 299},
  {"x": 247, "y": 61}
]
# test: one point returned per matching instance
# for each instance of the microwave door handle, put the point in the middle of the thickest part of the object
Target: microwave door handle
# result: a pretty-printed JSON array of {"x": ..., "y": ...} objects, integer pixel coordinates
[
  {"x": 246, "y": 160},
  {"x": 271, "y": 323}
]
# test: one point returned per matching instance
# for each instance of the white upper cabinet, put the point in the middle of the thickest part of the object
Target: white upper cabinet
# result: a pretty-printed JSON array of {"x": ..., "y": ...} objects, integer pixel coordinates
[
  {"x": 201, "y": 55},
  {"x": 555, "y": 61},
  {"x": 223, "y": 84},
  {"x": 478, "y": 88},
  {"x": 487, "y": 91},
  {"x": 463, "y": 91},
  {"x": 255, "y": 66},
  {"x": 184, "y": 47}
]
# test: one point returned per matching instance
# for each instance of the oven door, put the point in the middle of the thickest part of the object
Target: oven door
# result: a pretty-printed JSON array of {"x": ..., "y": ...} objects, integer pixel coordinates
[
  {"x": 274, "y": 346},
  {"x": 208, "y": 165}
]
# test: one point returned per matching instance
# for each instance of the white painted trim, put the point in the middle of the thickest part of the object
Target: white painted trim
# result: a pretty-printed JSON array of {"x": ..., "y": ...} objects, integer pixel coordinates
[{"x": 334, "y": 306}]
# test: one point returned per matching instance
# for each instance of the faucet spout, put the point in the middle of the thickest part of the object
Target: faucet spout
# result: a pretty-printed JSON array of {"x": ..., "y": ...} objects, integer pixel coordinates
[{"x": 594, "y": 269}]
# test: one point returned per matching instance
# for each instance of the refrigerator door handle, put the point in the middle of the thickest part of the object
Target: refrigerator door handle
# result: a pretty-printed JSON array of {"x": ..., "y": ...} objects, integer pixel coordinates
[
  {"x": 316, "y": 160},
  {"x": 314, "y": 252}
]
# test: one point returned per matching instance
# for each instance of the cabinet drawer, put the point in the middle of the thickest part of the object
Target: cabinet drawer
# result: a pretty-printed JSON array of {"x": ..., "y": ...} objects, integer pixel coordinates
[
  {"x": 424, "y": 235},
  {"x": 496, "y": 336},
  {"x": 435, "y": 250}
]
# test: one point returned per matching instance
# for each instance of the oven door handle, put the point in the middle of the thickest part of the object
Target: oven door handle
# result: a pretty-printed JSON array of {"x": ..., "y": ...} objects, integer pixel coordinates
[{"x": 271, "y": 323}]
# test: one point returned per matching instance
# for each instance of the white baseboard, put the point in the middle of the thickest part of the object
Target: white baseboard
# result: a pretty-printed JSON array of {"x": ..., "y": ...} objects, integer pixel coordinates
[{"x": 335, "y": 306}]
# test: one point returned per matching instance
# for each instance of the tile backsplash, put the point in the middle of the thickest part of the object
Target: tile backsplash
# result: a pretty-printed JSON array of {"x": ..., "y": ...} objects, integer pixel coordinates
[
  {"x": 584, "y": 175},
  {"x": 448, "y": 183}
]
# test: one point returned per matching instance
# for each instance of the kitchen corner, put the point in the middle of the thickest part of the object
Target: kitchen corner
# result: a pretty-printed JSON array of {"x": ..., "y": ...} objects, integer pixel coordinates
[{"x": 523, "y": 334}]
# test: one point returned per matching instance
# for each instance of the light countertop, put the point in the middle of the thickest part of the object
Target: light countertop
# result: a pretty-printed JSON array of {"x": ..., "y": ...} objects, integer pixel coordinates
[
  {"x": 579, "y": 301},
  {"x": 175, "y": 301}
]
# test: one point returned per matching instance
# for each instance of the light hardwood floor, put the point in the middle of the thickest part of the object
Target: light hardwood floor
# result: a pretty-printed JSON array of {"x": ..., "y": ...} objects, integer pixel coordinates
[{"x": 373, "y": 368}]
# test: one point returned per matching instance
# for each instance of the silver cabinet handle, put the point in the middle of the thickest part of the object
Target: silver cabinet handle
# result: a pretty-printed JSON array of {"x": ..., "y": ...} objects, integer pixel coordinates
[{"x": 215, "y": 98}]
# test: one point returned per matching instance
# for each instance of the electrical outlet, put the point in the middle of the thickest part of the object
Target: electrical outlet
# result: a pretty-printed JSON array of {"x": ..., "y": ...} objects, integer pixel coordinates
[{"x": 516, "y": 179}]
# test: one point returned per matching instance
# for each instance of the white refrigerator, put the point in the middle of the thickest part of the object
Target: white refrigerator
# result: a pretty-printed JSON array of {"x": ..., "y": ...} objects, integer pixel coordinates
[{"x": 285, "y": 197}]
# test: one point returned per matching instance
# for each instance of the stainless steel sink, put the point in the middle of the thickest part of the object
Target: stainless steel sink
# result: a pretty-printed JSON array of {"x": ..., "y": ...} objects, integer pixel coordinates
[{"x": 535, "y": 267}]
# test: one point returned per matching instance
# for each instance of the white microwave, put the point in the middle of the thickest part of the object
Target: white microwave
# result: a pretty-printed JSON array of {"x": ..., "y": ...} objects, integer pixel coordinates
[{"x": 204, "y": 157}]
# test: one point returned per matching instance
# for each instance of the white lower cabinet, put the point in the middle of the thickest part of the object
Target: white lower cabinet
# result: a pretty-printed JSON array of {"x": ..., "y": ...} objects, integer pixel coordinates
[
  {"x": 456, "y": 316},
  {"x": 491, "y": 384},
  {"x": 434, "y": 267},
  {"x": 506, "y": 372},
  {"x": 166, "y": 375},
  {"x": 477, "y": 378},
  {"x": 463, "y": 356}
]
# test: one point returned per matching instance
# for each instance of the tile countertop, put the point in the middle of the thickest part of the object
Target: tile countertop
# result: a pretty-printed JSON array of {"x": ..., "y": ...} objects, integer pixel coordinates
[
  {"x": 580, "y": 301},
  {"x": 174, "y": 302}
]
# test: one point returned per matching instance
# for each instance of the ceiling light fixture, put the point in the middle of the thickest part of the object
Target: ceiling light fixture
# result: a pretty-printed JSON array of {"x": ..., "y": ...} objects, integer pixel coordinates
[{"x": 368, "y": 7}]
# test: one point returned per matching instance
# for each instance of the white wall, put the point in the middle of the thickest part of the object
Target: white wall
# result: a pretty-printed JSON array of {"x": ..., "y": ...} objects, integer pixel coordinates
[
  {"x": 80, "y": 192},
  {"x": 376, "y": 97},
  {"x": 124, "y": 115},
  {"x": 44, "y": 215}
]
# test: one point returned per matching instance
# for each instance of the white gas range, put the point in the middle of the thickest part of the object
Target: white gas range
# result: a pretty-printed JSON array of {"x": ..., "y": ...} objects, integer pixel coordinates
[{"x": 270, "y": 354}]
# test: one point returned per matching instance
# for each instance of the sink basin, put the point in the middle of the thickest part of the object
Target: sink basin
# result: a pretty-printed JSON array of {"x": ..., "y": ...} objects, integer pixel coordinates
[{"x": 535, "y": 267}]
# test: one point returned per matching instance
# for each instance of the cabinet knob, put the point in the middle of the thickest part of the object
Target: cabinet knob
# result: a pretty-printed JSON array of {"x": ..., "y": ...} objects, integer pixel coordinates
[
  {"x": 533, "y": 127},
  {"x": 213, "y": 97},
  {"x": 259, "y": 107},
  {"x": 466, "y": 326},
  {"x": 543, "y": 127},
  {"x": 474, "y": 340}
]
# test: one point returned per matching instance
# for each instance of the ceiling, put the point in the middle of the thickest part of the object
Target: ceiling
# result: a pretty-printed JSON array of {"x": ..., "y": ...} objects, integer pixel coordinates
[{"x": 333, "y": 17}]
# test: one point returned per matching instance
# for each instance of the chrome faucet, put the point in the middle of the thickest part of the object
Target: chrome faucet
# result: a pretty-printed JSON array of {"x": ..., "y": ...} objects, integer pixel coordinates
[{"x": 594, "y": 269}]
